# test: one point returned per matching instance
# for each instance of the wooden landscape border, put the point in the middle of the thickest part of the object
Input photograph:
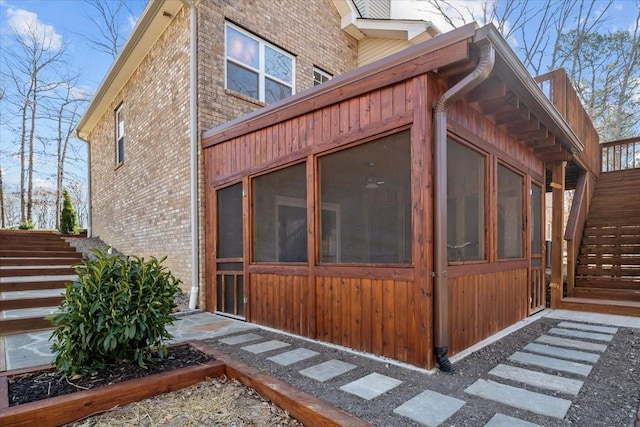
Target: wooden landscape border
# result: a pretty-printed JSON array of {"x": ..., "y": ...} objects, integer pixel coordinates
[{"x": 72, "y": 407}]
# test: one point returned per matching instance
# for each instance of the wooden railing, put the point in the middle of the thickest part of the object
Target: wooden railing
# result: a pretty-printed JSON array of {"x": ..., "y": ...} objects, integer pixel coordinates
[
  {"x": 557, "y": 86},
  {"x": 576, "y": 223},
  {"x": 621, "y": 155}
]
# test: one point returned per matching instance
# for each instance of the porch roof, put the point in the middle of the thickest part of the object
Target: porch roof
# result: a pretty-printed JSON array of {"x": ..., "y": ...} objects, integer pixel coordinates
[{"x": 509, "y": 97}]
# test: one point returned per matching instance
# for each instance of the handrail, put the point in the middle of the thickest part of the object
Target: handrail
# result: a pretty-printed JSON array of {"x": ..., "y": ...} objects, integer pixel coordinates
[
  {"x": 576, "y": 207},
  {"x": 621, "y": 155}
]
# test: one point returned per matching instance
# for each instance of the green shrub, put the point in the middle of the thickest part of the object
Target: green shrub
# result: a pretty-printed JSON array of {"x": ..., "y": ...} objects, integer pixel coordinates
[
  {"x": 26, "y": 225},
  {"x": 68, "y": 217},
  {"x": 118, "y": 309}
]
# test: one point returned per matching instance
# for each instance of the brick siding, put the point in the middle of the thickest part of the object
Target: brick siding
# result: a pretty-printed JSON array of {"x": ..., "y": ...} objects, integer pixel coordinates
[{"x": 143, "y": 206}]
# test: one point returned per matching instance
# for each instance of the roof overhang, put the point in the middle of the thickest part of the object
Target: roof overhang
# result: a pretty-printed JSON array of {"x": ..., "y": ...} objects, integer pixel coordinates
[
  {"x": 396, "y": 29},
  {"x": 511, "y": 70},
  {"x": 509, "y": 97},
  {"x": 152, "y": 23}
]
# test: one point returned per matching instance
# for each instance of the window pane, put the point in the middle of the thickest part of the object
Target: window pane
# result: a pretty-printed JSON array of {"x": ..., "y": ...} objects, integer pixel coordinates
[
  {"x": 320, "y": 76},
  {"x": 536, "y": 219},
  {"x": 278, "y": 65},
  {"x": 242, "y": 80},
  {"x": 274, "y": 92},
  {"x": 230, "y": 222},
  {"x": 242, "y": 48},
  {"x": 465, "y": 203},
  {"x": 120, "y": 150},
  {"x": 365, "y": 195},
  {"x": 280, "y": 216},
  {"x": 509, "y": 213}
]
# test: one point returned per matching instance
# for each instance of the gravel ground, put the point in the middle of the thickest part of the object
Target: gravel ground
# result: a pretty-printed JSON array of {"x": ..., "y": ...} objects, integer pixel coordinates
[{"x": 609, "y": 397}]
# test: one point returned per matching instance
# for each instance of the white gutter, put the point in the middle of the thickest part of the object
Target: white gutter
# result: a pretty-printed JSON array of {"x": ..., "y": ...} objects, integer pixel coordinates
[{"x": 193, "y": 133}]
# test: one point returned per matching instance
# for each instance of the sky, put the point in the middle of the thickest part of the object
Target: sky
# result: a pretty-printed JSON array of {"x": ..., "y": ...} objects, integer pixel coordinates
[{"x": 67, "y": 21}]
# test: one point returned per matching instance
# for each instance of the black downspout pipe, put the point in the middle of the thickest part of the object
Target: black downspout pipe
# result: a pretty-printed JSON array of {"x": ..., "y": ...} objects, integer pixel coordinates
[{"x": 441, "y": 289}]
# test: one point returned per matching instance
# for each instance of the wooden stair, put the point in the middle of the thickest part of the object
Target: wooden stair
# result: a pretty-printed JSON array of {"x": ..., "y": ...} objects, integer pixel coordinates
[
  {"x": 34, "y": 267},
  {"x": 609, "y": 262}
]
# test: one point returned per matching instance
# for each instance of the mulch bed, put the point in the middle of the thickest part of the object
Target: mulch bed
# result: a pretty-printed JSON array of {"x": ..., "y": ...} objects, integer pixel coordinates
[{"x": 32, "y": 387}]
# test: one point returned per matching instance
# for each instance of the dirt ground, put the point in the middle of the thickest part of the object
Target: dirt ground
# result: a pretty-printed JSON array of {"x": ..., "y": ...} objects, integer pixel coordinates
[{"x": 215, "y": 402}]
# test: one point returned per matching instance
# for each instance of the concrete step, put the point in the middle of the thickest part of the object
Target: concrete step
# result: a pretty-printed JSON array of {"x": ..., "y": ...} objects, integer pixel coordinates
[
  {"x": 551, "y": 363},
  {"x": 538, "y": 379},
  {"x": 430, "y": 408}
]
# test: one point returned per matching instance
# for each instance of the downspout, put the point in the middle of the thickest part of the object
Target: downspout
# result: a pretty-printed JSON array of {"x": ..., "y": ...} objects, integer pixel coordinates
[
  {"x": 441, "y": 289},
  {"x": 193, "y": 132}
]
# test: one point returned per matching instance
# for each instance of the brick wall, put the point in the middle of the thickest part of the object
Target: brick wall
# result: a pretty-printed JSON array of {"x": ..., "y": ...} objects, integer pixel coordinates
[{"x": 143, "y": 206}]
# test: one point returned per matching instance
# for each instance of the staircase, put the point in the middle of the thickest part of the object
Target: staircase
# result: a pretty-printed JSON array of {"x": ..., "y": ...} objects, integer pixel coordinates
[
  {"x": 609, "y": 261},
  {"x": 34, "y": 267}
]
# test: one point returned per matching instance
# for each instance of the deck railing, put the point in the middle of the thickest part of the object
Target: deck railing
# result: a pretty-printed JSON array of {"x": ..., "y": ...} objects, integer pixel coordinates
[
  {"x": 621, "y": 155},
  {"x": 557, "y": 86}
]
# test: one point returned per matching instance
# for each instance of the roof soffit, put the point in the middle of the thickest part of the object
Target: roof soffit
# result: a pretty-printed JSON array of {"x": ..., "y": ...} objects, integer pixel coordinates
[{"x": 357, "y": 27}]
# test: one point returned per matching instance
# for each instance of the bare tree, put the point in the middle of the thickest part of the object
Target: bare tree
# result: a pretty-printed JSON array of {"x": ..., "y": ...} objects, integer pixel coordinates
[
  {"x": 32, "y": 57},
  {"x": 112, "y": 20}
]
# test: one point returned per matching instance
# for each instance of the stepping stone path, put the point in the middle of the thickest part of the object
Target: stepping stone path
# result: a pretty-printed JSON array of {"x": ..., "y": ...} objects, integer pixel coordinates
[{"x": 557, "y": 363}]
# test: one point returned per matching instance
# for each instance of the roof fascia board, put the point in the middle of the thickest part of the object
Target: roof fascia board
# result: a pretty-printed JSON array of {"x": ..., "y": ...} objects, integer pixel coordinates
[
  {"x": 150, "y": 26},
  {"x": 299, "y": 104},
  {"x": 528, "y": 90}
]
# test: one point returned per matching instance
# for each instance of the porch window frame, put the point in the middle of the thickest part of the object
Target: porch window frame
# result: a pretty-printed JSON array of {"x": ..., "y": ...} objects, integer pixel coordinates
[
  {"x": 524, "y": 203},
  {"x": 486, "y": 205}
]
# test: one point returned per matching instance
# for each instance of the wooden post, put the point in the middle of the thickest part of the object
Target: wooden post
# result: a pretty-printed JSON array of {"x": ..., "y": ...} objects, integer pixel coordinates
[{"x": 557, "y": 232}]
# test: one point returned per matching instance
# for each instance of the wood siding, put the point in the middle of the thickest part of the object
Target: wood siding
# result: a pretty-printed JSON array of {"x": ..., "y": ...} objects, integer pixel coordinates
[{"x": 483, "y": 304}]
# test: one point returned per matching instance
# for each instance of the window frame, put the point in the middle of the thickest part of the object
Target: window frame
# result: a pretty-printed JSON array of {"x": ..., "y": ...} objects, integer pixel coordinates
[
  {"x": 119, "y": 137},
  {"x": 524, "y": 195},
  {"x": 324, "y": 76},
  {"x": 261, "y": 70},
  {"x": 485, "y": 205}
]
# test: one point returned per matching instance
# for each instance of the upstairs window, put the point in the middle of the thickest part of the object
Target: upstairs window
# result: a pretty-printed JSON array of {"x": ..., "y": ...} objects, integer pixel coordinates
[
  {"x": 320, "y": 76},
  {"x": 256, "y": 68},
  {"x": 119, "y": 135}
]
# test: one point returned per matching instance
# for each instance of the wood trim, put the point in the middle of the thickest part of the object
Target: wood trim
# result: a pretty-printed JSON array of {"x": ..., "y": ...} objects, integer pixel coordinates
[
  {"x": 279, "y": 269},
  {"x": 308, "y": 322},
  {"x": 366, "y": 272},
  {"x": 485, "y": 268}
]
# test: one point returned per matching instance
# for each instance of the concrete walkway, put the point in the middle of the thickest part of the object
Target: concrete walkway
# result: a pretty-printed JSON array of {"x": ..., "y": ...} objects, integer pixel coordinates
[{"x": 566, "y": 354}]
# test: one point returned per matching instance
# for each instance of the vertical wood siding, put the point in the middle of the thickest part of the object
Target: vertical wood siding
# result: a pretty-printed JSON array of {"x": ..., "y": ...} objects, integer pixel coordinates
[
  {"x": 314, "y": 132},
  {"x": 483, "y": 304}
]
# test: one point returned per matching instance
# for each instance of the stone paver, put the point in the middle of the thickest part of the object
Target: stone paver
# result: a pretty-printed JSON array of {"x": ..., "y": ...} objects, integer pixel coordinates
[
  {"x": 263, "y": 347},
  {"x": 548, "y": 350},
  {"x": 567, "y": 342},
  {"x": 241, "y": 339},
  {"x": 551, "y": 363},
  {"x": 520, "y": 398},
  {"x": 538, "y": 379},
  {"x": 501, "y": 420},
  {"x": 327, "y": 370},
  {"x": 579, "y": 334},
  {"x": 430, "y": 408},
  {"x": 293, "y": 356},
  {"x": 373, "y": 385},
  {"x": 590, "y": 328}
]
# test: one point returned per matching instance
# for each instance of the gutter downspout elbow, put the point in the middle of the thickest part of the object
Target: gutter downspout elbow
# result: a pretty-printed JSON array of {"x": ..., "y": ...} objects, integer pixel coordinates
[
  {"x": 441, "y": 289},
  {"x": 193, "y": 145}
]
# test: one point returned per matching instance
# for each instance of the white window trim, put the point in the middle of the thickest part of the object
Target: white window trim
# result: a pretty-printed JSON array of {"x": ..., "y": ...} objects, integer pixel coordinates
[
  {"x": 119, "y": 135},
  {"x": 262, "y": 75},
  {"x": 323, "y": 74}
]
